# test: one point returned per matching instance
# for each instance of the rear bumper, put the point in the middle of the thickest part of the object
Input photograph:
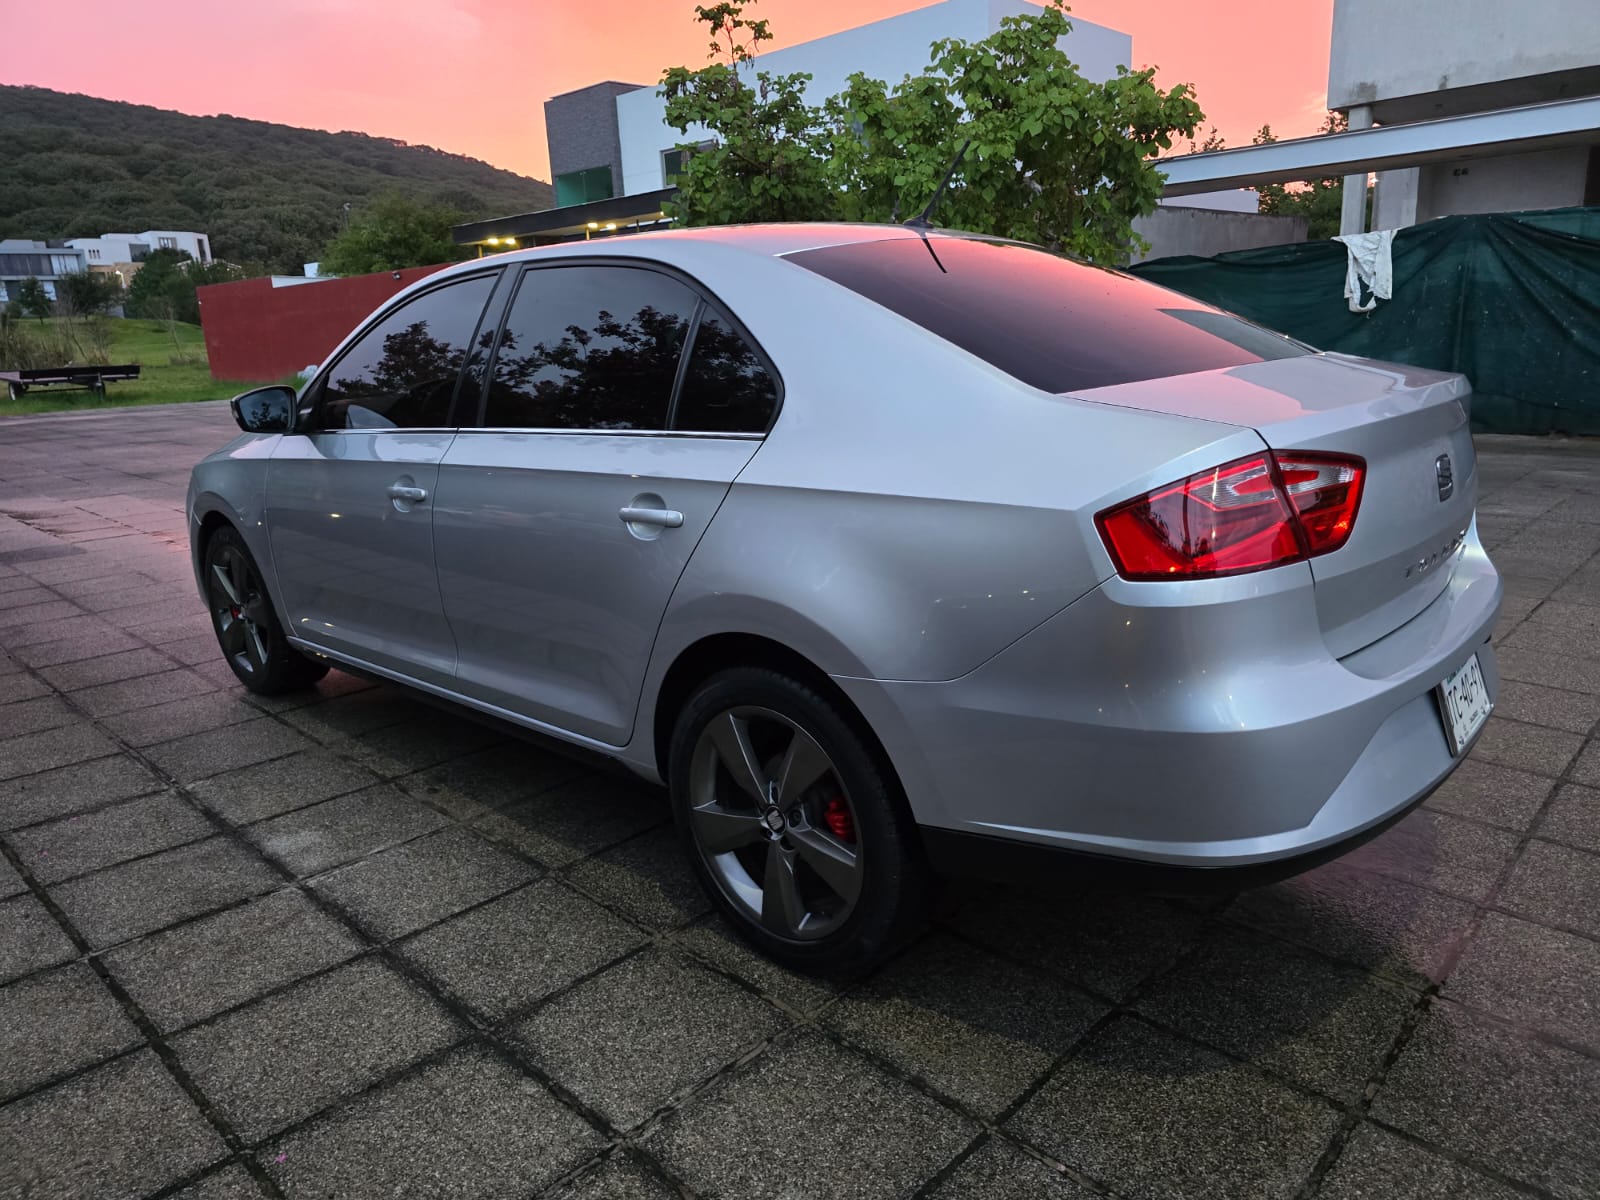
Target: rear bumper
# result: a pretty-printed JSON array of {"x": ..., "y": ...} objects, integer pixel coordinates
[
  {"x": 1003, "y": 860},
  {"x": 1192, "y": 725}
]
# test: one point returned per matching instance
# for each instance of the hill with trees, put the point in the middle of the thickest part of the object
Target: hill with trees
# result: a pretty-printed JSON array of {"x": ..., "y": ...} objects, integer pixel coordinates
[{"x": 270, "y": 196}]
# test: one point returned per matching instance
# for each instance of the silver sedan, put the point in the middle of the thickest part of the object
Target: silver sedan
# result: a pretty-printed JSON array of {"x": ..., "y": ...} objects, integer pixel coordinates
[{"x": 891, "y": 552}]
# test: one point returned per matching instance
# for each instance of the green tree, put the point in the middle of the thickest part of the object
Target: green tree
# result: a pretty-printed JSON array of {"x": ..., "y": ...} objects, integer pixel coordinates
[
  {"x": 768, "y": 158},
  {"x": 31, "y": 300},
  {"x": 84, "y": 293},
  {"x": 1053, "y": 158},
  {"x": 391, "y": 232},
  {"x": 162, "y": 289}
]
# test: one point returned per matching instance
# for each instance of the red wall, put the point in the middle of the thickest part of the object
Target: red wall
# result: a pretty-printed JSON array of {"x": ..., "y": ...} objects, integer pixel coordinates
[{"x": 258, "y": 333}]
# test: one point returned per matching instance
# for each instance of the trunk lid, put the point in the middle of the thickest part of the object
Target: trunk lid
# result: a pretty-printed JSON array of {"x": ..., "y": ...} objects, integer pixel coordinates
[{"x": 1409, "y": 424}]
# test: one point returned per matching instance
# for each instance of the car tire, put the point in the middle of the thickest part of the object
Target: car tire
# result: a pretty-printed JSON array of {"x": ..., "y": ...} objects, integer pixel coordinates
[
  {"x": 247, "y": 629},
  {"x": 795, "y": 822}
]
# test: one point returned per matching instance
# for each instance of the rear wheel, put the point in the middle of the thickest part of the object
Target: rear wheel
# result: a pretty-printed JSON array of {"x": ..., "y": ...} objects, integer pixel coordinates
[
  {"x": 247, "y": 629},
  {"x": 794, "y": 824}
]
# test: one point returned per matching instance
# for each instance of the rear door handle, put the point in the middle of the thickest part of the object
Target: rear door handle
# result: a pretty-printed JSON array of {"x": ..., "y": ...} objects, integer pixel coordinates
[
  {"x": 667, "y": 518},
  {"x": 400, "y": 491}
]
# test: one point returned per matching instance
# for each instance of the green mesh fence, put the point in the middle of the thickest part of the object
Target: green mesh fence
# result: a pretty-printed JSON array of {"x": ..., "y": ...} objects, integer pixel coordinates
[{"x": 1511, "y": 300}]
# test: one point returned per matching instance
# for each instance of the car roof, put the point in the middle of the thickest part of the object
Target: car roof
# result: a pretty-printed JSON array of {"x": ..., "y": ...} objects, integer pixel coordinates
[{"x": 772, "y": 240}]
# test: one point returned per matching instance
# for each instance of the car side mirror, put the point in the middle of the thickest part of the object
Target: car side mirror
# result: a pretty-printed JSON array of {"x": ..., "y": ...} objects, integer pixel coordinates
[{"x": 265, "y": 409}]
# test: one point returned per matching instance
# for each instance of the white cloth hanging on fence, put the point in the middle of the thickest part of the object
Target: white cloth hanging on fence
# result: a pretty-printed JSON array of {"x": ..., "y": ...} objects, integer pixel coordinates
[{"x": 1371, "y": 263}]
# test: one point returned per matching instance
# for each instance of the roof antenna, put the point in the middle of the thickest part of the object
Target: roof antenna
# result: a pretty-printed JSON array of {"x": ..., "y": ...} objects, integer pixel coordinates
[{"x": 924, "y": 219}]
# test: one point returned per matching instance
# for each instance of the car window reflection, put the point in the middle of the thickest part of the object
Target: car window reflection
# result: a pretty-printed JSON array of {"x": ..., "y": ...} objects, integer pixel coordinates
[
  {"x": 590, "y": 348},
  {"x": 402, "y": 373},
  {"x": 726, "y": 389}
]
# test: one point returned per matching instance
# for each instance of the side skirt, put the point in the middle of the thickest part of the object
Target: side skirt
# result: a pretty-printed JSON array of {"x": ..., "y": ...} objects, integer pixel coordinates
[{"x": 596, "y": 754}]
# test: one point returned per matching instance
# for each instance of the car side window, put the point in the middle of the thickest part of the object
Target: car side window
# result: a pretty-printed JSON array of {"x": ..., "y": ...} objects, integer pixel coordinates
[
  {"x": 589, "y": 347},
  {"x": 401, "y": 373},
  {"x": 726, "y": 386}
]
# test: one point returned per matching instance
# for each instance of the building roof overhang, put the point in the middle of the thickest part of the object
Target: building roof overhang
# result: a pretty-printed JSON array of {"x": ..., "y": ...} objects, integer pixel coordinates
[
  {"x": 1383, "y": 147},
  {"x": 571, "y": 221}
]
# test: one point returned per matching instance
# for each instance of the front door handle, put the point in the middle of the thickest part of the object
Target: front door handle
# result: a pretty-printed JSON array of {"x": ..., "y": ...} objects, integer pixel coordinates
[
  {"x": 400, "y": 491},
  {"x": 667, "y": 518}
]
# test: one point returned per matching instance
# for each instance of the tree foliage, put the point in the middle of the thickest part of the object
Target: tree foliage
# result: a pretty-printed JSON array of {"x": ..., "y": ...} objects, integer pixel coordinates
[
  {"x": 164, "y": 288},
  {"x": 1054, "y": 158},
  {"x": 394, "y": 231},
  {"x": 85, "y": 293},
  {"x": 271, "y": 195},
  {"x": 768, "y": 160},
  {"x": 31, "y": 299}
]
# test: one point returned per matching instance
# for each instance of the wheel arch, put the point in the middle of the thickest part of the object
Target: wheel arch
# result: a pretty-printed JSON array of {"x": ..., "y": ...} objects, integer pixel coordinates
[
  {"x": 210, "y": 514},
  {"x": 209, "y": 524},
  {"x": 207, "y": 519},
  {"x": 702, "y": 659}
]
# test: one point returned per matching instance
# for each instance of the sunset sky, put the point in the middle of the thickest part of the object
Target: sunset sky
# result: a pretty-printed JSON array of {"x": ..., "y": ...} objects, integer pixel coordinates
[{"x": 471, "y": 76}]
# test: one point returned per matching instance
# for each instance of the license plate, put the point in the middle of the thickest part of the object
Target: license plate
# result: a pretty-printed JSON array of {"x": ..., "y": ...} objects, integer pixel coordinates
[{"x": 1464, "y": 704}]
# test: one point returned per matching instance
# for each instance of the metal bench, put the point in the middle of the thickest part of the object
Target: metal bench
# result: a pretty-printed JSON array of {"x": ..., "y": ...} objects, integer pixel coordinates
[{"x": 92, "y": 379}]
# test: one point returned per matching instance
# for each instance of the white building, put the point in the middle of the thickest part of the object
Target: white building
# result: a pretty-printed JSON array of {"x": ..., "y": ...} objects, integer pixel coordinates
[
  {"x": 1459, "y": 106},
  {"x": 1396, "y": 63},
  {"x": 22, "y": 259},
  {"x": 612, "y": 154},
  {"x": 110, "y": 249}
]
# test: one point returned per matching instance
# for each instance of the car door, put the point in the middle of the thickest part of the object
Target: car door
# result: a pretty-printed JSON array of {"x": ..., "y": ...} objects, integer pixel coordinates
[
  {"x": 350, "y": 499},
  {"x": 565, "y": 518}
]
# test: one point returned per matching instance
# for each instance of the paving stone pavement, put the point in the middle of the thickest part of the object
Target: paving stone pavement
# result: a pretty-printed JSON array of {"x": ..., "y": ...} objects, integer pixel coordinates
[{"x": 286, "y": 948}]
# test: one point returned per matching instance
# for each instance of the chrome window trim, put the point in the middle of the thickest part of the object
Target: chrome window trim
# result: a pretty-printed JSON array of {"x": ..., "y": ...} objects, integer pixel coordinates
[
  {"x": 384, "y": 429},
  {"x": 461, "y": 430},
  {"x": 568, "y": 430}
]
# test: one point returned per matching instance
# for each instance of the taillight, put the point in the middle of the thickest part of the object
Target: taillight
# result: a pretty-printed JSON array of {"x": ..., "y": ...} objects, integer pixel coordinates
[
  {"x": 1325, "y": 490},
  {"x": 1248, "y": 515}
]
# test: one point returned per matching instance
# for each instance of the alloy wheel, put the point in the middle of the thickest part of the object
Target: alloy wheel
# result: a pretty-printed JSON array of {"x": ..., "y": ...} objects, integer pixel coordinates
[
  {"x": 774, "y": 823},
  {"x": 239, "y": 608}
]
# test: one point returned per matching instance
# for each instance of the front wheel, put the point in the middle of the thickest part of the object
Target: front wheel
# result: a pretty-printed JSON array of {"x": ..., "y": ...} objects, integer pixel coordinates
[
  {"x": 246, "y": 627},
  {"x": 794, "y": 824}
]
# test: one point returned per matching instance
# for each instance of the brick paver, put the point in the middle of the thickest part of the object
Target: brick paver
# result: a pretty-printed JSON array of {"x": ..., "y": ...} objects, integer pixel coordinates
[{"x": 341, "y": 944}]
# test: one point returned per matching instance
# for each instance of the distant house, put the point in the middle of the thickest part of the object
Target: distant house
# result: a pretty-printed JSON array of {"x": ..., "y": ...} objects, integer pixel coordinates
[
  {"x": 122, "y": 254},
  {"x": 119, "y": 254},
  {"x": 22, "y": 258}
]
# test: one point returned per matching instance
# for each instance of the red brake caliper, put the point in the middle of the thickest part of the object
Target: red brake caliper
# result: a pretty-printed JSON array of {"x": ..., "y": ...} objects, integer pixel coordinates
[{"x": 836, "y": 815}]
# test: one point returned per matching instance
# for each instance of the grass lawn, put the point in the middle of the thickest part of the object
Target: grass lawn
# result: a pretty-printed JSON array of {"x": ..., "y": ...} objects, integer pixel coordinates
[{"x": 160, "y": 381}]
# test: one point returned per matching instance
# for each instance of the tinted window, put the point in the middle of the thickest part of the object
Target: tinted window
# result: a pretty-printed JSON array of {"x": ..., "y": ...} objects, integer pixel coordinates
[
  {"x": 726, "y": 389},
  {"x": 589, "y": 348},
  {"x": 1051, "y": 322},
  {"x": 402, "y": 372}
]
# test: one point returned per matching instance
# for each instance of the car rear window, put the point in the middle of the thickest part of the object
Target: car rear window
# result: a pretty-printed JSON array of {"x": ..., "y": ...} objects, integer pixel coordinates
[{"x": 1053, "y": 323}]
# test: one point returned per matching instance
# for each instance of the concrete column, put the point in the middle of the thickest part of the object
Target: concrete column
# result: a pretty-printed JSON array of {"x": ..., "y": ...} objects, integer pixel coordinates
[
  {"x": 1353, "y": 213},
  {"x": 1396, "y": 204}
]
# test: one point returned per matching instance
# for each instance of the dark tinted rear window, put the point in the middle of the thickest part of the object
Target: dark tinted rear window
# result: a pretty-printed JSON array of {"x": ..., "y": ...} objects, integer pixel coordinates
[
  {"x": 1051, "y": 322},
  {"x": 725, "y": 387}
]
